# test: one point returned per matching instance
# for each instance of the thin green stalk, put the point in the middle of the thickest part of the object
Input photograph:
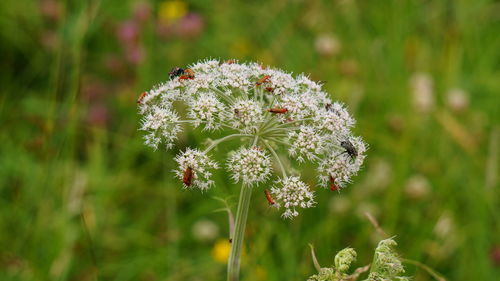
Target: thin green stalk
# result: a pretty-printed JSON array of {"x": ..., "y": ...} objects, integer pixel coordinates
[
  {"x": 216, "y": 142},
  {"x": 278, "y": 130},
  {"x": 276, "y": 136},
  {"x": 427, "y": 268},
  {"x": 278, "y": 141},
  {"x": 187, "y": 121},
  {"x": 255, "y": 140},
  {"x": 268, "y": 122},
  {"x": 233, "y": 265},
  {"x": 277, "y": 158},
  {"x": 295, "y": 121},
  {"x": 221, "y": 94}
]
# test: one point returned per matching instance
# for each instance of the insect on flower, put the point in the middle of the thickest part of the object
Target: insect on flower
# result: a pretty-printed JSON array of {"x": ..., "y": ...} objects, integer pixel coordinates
[
  {"x": 269, "y": 89},
  {"x": 333, "y": 186},
  {"x": 188, "y": 74},
  {"x": 176, "y": 71},
  {"x": 141, "y": 97},
  {"x": 349, "y": 149},
  {"x": 258, "y": 148},
  {"x": 278, "y": 110},
  {"x": 187, "y": 178},
  {"x": 269, "y": 198},
  {"x": 263, "y": 80},
  {"x": 229, "y": 62}
]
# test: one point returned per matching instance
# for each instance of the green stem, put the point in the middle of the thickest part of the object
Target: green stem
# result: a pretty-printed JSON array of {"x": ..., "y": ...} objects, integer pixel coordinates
[
  {"x": 278, "y": 130},
  {"x": 233, "y": 265},
  {"x": 425, "y": 267},
  {"x": 255, "y": 140},
  {"x": 267, "y": 122},
  {"x": 277, "y": 158},
  {"x": 216, "y": 142}
]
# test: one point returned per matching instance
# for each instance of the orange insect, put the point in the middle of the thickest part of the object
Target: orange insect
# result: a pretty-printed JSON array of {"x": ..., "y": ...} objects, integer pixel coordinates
[
  {"x": 278, "y": 110},
  {"x": 333, "y": 186},
  {"x": 269, "y": 89},
  {"x": 141, "y": 97},
  {"x": 187, "y": 178},
  {"x": 258, "y": 148},
  {"x": 263, "y": 80},
  {"x": 229, "y": 61},
  {"x": 269, "y": 197},
  {"x": 188, "y": 74}
]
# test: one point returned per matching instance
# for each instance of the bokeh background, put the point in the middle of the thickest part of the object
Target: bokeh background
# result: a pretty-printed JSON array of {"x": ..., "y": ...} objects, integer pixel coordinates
[{"x": 83, "y": 199}]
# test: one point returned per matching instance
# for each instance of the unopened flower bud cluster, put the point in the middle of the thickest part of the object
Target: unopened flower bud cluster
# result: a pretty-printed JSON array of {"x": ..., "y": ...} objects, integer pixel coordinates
[{"x": 386, "y": 265}]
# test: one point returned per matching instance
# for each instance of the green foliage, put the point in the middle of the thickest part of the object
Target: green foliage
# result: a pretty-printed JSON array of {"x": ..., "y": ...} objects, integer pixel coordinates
[
  {"x": 386, "y": 264},
  {"x": 338, "y": 272},
  {"x": 82, "y": 198}
]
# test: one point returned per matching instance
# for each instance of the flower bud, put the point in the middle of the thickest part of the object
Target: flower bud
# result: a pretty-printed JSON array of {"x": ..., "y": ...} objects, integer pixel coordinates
[{"x": 344, "y": 259}]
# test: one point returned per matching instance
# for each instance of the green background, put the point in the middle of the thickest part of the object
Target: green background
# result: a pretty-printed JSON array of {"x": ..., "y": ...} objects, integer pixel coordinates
[{"x": 82, "y": 198}]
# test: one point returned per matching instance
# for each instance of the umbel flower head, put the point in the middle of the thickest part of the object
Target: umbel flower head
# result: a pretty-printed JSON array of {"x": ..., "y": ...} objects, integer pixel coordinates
[{"x": 272, "y": 113}]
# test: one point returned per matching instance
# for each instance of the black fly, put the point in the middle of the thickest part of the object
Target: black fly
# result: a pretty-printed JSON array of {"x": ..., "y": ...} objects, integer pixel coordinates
[
  {"x": 176, "y": 71},
  {"x": 349, "y": 149}
]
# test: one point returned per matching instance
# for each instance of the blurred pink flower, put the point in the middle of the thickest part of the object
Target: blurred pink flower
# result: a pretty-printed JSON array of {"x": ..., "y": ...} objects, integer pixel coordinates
[
  {"x": 115, "y": 65},
  {"x": 128, "y": 32},
  {"x": 142, "y": 12},
  {"x": 49, "y": 39},
  {"x": 92, "y": 90},
  {"x": 495, "y": 255},
  {"x": 98, "y": 115},
  {"x": 134, "y": 54},
  {"x": 190, "y": 26},
  {"x": 164, "y": 31},
  {"x": 50, "y": 9}
]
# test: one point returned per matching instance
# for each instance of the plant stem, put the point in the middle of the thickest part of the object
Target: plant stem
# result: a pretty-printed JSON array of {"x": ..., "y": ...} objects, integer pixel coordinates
[
  {"x": 233, "y": 265},
  {"x": 283, "y": 171},
  {"x": 216, "y": 142},
  {"x": 425, "y": 267}
]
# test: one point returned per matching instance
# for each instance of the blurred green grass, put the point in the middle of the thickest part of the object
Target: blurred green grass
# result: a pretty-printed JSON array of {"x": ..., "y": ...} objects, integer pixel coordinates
[{"x": 83, "y": 199}]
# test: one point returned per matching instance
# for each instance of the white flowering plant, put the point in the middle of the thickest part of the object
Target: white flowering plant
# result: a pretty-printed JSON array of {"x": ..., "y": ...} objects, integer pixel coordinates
[{"x": 273, "y": 113}]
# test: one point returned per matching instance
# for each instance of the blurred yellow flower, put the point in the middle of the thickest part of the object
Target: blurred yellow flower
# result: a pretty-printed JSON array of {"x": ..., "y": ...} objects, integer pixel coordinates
[
  {"x": 241, "y": 48},
  {"x": 170, "y": 11},
  {"x": 220, "y": 251},
  {"x": 260, "y": 273},
  {"x": 266, "y": 57}
]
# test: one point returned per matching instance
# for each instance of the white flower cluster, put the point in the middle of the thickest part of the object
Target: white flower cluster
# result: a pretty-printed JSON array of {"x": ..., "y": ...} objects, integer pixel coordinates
[
  {"x": 195, "y": 169},
  {"x": 208, "y": 109},
  {"x": 272, "y": 111},
  {"x": 305, "y": 142},
  {"x": 292, "y": 193},
  {"x": 247, "y": 114},
  {"x": 161, "y": 123},
  {"x": 250, "y": 165},
  {"x": 339, "y": 169}
]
